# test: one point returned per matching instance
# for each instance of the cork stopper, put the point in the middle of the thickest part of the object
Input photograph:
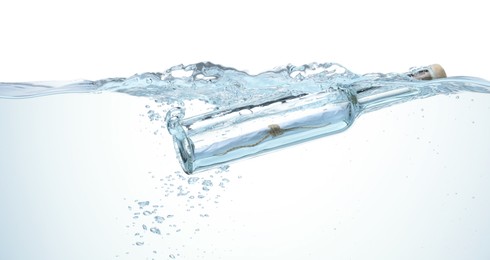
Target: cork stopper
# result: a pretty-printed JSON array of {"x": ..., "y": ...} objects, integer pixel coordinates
[{"x": 434, "y": 71}]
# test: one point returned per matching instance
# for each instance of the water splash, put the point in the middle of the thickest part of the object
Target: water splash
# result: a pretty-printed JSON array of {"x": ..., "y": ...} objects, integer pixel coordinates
[{"x": 216, "y": 86}]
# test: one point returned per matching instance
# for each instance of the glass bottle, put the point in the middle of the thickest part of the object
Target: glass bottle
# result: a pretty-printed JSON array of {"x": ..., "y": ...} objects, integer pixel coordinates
[{"x": 222, "y": 136}]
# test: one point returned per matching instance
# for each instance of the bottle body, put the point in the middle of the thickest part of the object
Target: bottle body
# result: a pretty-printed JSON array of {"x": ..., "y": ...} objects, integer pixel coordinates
[{"x": 226, "y": 135}]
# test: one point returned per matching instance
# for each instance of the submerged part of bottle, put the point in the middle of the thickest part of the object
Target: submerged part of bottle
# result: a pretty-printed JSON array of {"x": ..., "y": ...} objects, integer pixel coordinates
[
  {"x": 225, "y": 135},
  {"x": 222, "y": 136}
]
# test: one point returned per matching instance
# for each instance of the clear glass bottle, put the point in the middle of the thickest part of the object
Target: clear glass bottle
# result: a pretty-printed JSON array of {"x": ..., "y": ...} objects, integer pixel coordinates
[{"x": 222, "y": 136}]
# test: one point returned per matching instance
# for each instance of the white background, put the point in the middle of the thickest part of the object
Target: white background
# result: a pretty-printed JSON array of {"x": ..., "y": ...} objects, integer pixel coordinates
[{"x": 409, "y": 182}]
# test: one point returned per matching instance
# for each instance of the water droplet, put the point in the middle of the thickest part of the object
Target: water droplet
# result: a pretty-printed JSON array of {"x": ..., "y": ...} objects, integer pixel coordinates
[
  {"x": 192, "y": 180},
  {"x": 143, "y": 203},
  {"x": 144, "y": 227},
  {"x": 171, "y": 256},
  {"x": 149, "y": 81},
  {"x": 223, "y": 182},
  {"x": 170, "y": 216},
  {"x": 182, "y": 191},
  {"x": 207, "y": 183},
  {"x": 457, "y": 97},
  {"x": 159, "y": 219},
  {"x": 140, "y": 243},
  {"x": 147, "y": 213},
  {"x": 155, "y": 230},
  {"x": 153, "y": 116}
]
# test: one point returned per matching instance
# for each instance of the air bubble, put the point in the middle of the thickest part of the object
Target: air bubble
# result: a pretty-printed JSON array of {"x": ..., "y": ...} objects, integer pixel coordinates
[
  {"x": 192, "y": 180},
  {"x": 143, "y": 203},
  {"x": 159, "y": 219},
  {"x": 155, "y": 230},
  {"x": 207, "y": 183}
]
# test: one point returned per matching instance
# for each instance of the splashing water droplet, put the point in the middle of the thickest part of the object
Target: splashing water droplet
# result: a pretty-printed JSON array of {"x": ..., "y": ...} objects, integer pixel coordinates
[{"x": 140, "y": 243}]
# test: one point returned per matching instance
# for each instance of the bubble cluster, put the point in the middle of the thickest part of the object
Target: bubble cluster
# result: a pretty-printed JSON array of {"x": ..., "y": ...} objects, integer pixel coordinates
[{"x": 182, "y": 210}]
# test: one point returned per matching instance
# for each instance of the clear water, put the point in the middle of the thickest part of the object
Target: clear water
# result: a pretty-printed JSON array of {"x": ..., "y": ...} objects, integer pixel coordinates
[{"x": 206, "y": 87}]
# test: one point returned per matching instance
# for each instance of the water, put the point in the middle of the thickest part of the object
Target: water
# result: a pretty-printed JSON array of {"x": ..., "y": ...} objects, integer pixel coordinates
[
  {"x": 237, "y": 109},
  {"x": 182, "y": 208},
  {"x": 205, "y": 87}
]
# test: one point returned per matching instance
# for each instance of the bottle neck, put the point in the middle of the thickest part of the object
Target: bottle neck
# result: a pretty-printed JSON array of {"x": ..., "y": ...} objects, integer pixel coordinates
[
  {"x": 374, "y": 97},
  {"x": 380, "y": 97}
]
